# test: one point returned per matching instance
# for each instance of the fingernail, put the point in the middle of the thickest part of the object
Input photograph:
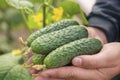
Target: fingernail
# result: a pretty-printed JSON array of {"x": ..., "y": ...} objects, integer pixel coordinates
[{"x": 77, "y": 61}]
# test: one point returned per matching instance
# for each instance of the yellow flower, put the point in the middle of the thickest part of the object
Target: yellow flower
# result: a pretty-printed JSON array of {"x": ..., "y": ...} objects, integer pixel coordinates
[
  {"x": 16, "y": 52},
  {"x": 38, "y": 18},
  {"x": 58, "y": 13}
]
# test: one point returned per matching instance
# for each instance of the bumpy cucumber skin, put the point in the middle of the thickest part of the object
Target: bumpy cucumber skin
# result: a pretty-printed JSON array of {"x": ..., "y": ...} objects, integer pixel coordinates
[
  {"x": 53, "y": 27},
  {"x": 38, "y": 59},
  {"x": 64, "y": 54},
  {"x": 49, "y": 42}
]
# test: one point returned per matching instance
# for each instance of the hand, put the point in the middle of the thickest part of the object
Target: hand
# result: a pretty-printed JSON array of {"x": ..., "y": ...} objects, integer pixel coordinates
[
  {"x": 93, "y": 33},
  {"x": 102, "y": 66},
  {"x": 32, "y": 71},
  {"x": 97, "y": 33}
]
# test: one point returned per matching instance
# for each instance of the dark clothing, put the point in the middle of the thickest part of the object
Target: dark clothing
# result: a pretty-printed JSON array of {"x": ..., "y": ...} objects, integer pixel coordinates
[
  {"x": 106, "y": 16},
  {"x": 117, "y": 77}
]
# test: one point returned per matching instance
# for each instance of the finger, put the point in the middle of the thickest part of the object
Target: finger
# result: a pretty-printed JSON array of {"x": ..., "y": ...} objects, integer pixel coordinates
[
  {"x": 41, "y": 78},
  {"x": 29, "y": 61},
  {"x": 88, "y": 61},
  {"x": 97, "y": 33},
  {"x": 105, "y": 58},
  {"x": 33, "y": 71},
  {"x": 71, "y": 73}
]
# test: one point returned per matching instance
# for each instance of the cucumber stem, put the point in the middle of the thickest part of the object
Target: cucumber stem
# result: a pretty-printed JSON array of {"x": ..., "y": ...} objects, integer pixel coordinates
[
  {"x": 22, "y": 42},
  {"x": 27, "y": 52},
  {"x": 27, "y": 65},
  {"x": 39, "y": 67},
  {"x": 35, "y": 75}
]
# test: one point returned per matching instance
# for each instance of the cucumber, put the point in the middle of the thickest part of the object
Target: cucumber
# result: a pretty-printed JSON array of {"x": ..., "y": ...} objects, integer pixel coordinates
[
  {"x": 38, "y": 59},
  {"x": 49, "y": 42},
  {"x": 64, "y": 54},
  {"x": 53, "y": 27}
]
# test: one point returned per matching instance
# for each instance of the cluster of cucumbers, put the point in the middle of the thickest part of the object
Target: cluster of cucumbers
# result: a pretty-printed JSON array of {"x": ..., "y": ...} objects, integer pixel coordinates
[{"x": 56, "y": 45}]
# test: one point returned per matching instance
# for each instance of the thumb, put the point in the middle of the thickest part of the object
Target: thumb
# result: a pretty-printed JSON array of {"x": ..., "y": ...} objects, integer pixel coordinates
[{"x": 91, "y": 61}]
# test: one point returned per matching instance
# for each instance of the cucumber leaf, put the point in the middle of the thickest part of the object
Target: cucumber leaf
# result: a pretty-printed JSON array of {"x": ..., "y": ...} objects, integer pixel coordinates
[
  {"x": 20, "y": 4},
  {"x": 3, "y": 4},
  {"x": 13, "y": 3},
  {"x": 11, "y": 69},
  {"x": 72, "y": 8}
]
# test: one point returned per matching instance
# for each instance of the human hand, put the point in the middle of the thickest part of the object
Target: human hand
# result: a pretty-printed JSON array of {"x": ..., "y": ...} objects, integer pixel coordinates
[
  {"x": 102, "y": 66},
  {"x": 97, "y": 33},
  {"x": 93, "y": 33}
]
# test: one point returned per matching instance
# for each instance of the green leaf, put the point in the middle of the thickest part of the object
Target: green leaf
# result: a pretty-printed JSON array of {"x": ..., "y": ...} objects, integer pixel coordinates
[
  {"x": 83, "y": 16},
  {"x": 3, "y": 4},
  {"x": 13, "y": 3},
  {"x": 11, "y": 69},
  {"x": 25, "y": 4},
  {"x": 20, "y": 4},
  {"x": 70, "y": 7},
  {"x": 37, "y": 1}
]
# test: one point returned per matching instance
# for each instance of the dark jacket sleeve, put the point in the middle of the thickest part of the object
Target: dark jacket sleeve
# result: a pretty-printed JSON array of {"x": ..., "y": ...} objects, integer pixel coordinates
[{"x": 106, "y": 16}]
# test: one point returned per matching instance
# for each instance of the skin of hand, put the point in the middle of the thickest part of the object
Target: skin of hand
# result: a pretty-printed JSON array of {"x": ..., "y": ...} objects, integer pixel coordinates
[
  {"x": 97, "y": 33},
  {"x": 102, "y": 66}
]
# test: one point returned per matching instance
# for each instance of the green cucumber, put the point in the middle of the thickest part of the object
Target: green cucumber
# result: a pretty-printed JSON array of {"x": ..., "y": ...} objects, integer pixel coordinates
[
  {"x": 49, "y": 42},
  {"x": 64, "y": 54},
  {"x": 53, "y": 27},
  {"x": 38, "y": 59}
]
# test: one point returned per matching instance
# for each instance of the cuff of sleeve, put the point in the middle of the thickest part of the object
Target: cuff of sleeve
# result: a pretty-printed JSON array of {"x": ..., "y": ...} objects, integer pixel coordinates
[{"x": 105, "y": 25}]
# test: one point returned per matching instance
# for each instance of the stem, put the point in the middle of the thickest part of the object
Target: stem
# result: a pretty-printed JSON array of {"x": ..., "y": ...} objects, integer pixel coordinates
[
  {"x": 85, "y": 21},
  {"x": 27, "y": 52},
  {"x": 22, "y": 42},
  {"x": 44, "y": 13},
  {"x": 25, "y": 20},
  {"x": 35, "y": 75},
  {"x": 39, "y": 67}
]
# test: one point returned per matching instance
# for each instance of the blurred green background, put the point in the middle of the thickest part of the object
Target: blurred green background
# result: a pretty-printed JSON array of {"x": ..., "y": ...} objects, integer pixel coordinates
[{"x": 10, "y": 26}]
